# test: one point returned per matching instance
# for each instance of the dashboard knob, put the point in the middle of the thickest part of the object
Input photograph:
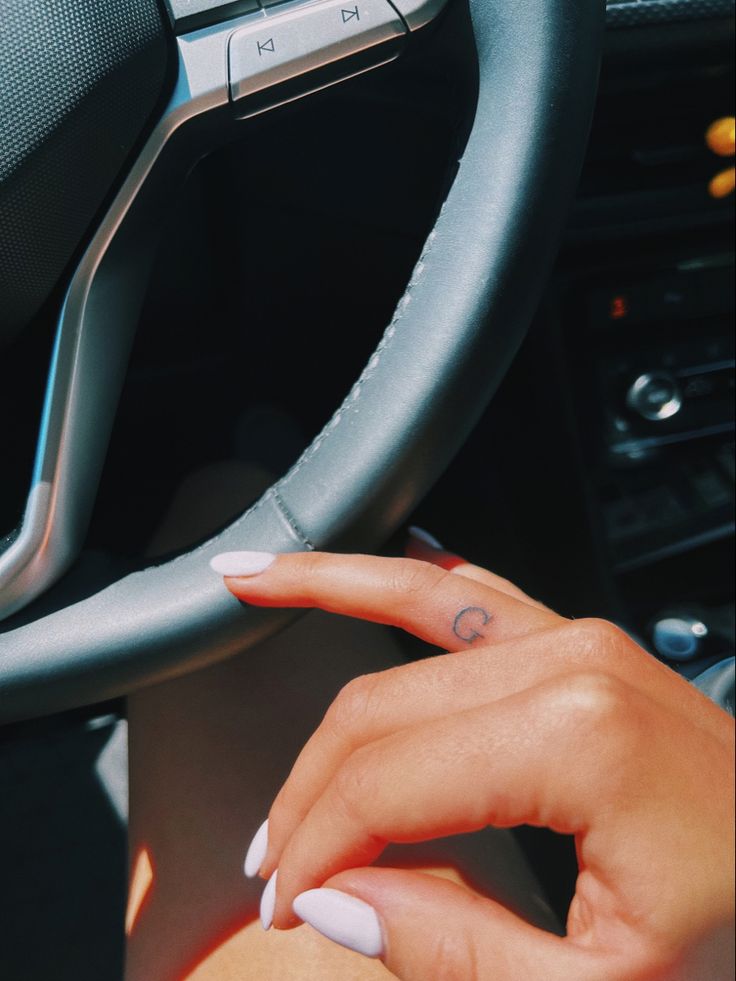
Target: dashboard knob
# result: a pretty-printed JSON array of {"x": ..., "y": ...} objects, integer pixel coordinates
[
  {"x": 721, "y": 139},
  {"x": 679, "y": 638},
  {"x": 655, "y": 395},
  {"x": 721, "y": 136}
]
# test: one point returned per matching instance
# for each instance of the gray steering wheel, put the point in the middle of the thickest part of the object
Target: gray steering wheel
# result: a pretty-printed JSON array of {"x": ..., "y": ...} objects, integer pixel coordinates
[{"x": 463, "y": 315}]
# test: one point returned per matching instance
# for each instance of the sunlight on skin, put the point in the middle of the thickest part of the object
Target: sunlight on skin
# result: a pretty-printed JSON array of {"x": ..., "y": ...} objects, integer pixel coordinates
[
  {"x": 300, "y": 955},
  {"x": 140, "y": 887}
]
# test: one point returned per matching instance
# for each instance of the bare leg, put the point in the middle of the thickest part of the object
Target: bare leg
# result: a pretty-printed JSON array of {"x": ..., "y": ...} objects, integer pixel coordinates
[{"x": 208, "y": 753}]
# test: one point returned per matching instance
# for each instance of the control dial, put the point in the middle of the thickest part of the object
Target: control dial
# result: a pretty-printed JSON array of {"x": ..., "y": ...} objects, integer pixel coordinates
[
  {"x": 655, "y": 396},
  {"x": 679, "y": 638}
]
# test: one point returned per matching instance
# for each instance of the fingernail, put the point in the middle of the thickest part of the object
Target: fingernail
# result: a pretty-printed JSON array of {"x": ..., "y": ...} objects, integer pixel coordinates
[
  {"x": 241, "y": 563},
  {"x": 345, "y": 919},
  {"x": 256, "y": 851},
  {"x": 268, "y": 902},
  {"x": 424, "y": 536}
]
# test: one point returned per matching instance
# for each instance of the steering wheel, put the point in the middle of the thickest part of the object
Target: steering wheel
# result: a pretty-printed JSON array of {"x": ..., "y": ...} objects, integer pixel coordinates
[{"x": 463, "y": 315}]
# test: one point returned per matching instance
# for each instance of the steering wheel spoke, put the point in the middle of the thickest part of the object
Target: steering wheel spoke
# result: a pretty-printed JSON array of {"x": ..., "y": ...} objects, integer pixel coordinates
[{"x": 226, "y": 71}]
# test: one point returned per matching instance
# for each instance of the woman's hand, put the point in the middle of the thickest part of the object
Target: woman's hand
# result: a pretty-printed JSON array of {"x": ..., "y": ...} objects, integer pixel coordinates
[{"x": 534, "y": 719}]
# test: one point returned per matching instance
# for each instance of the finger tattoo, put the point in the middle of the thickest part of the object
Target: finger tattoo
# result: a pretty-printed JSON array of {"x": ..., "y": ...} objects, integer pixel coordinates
[{"x": 468, "y": 622}]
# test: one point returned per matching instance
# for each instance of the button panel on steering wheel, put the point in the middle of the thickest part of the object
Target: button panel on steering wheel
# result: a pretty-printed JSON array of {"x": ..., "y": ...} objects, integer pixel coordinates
[{"x": 295, "y": 39}]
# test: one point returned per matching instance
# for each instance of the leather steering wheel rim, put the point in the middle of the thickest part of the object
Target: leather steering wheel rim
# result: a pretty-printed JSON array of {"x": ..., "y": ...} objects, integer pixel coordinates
[{"x": 465, "y": 311}]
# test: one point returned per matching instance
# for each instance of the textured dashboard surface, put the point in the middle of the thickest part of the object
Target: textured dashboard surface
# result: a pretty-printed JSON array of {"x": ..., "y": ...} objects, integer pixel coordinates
[{"x": 79, "y": 80}]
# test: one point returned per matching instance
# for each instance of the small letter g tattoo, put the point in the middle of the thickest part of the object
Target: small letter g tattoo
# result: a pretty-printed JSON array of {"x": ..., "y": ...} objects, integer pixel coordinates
[{"x": 468, "y": 620}]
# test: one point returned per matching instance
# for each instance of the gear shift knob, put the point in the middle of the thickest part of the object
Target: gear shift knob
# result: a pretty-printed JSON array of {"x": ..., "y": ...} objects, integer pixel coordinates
[{"x": 679, "y": 638}]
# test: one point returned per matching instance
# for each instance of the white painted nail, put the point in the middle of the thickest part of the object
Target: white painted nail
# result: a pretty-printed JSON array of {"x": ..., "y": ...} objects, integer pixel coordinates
[
  {"x": 424, "y": 536},
  {"x": 241, "y": 563},
  {"x": 256, "y": 851},
  {"x": 345, "y": 919},
  {"x": 268, "y": 902}
]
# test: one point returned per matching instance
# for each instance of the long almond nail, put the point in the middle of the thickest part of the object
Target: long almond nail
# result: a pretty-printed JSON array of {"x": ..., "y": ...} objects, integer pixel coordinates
[
  {"x": 268, "y": 902},
  {"x": 345, "y": 919},
  {"x": 256, "y": 851},
  {"x": 241, "y": 563}
]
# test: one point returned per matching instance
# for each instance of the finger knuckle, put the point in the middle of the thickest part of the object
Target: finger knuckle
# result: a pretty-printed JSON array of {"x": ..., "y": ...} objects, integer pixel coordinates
[
  {"x": 598, "y": 641},
  {"x": 598, "y": 637},
  {"x": 591, "y": 699},
  {"x": 354, "y": 707},
  {"x": 310, "y": 565},
  {"x": 454, "y": 958},
  {"x": 416, "y": 579},
  {"x": 354, "y": 785},
  {"x": 597, "y": 718}
]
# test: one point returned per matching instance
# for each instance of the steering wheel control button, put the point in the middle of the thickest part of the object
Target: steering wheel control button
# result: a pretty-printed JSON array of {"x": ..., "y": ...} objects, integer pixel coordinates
[
  {"x": 679, "y": 638},
  {"x": 655, "y": 396},
  {"x": 292, "y": 41},
  {"x": 188, "y": 15}
]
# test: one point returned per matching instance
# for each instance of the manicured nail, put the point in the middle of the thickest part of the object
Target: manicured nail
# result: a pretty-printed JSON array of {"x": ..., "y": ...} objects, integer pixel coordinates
[
  {"x": 241, "y": 563},
  {"x": 268, "y": 902},
  {"x": 342, "y": 918},
  {"x": 256, "y": 851},
  {"x": 424, "y": 536}
]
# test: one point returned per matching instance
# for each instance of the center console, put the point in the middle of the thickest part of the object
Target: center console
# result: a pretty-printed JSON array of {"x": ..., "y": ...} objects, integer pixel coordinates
[
  {"x": 646, "y": 303},
  {"x": 660, "y": 434},
  {"x": 648, "y": 315},
  {"x": 657, "y": 426}
]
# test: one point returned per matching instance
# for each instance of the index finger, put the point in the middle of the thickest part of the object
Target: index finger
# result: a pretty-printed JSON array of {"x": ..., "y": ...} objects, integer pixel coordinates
[{"x": 449, "y": 611}]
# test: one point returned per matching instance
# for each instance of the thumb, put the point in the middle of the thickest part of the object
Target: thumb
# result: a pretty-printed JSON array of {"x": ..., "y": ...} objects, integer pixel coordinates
[{"x": 422, "y": 926}]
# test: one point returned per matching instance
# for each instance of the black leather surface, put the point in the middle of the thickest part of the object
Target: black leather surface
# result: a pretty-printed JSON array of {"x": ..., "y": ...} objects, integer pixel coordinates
[
  {"x": 78, "y": 80},
  {"x": 470, "y": 300}
]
